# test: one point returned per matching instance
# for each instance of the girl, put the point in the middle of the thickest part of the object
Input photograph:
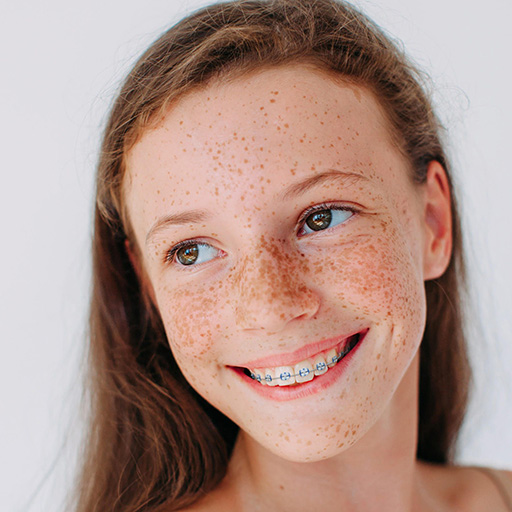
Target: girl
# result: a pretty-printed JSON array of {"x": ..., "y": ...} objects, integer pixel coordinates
[{"x": 276, "y": 314}]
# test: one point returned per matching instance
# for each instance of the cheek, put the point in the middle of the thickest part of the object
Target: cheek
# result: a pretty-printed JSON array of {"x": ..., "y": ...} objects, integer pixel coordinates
[
  {"x": 374, "y": 276},
  {"x": 190, "y": 317}
]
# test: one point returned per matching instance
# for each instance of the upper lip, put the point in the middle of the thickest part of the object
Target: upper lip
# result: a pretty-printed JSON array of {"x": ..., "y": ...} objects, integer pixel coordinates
[{"x": 305, "y": 352}]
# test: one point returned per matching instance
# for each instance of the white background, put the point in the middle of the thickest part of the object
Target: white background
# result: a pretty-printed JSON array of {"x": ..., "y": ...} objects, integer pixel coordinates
[{"x": 61, "y": 62}]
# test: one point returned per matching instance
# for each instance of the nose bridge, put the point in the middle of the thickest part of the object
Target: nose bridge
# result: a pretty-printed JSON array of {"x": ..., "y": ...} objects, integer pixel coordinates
[{"x": 272, "y": 288}]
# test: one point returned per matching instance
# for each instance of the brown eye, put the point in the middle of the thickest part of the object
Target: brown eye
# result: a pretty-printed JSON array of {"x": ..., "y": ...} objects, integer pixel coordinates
[
  {"x": 188, "y": 255},
  {"x": 192, "y": 253},
  {"x": 324, "y": 218},
  {"x": 319, "y": 220}
]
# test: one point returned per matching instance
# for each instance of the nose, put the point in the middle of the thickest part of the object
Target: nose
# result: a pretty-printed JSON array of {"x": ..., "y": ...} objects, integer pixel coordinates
[{"x": 272, "y": 290}]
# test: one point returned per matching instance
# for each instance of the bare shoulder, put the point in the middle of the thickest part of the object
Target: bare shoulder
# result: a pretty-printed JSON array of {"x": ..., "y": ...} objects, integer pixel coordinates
[
  {"x": 488, "y": 488},
  {"x": 507, "y": 474},
  {"x": 471, "y": 488}
]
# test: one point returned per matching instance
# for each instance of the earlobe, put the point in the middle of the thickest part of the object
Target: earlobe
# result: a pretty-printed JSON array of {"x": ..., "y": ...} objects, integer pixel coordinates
[
  {"x": 437, "y": 221},
  {"x": 145, "y": 284}
]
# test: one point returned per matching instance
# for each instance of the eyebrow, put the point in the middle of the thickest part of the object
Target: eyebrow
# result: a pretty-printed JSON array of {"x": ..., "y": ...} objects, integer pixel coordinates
[
  {"x": 176, "y": 219},
  {"x": 294, "y": 190},
  {"x": 345, "y": 177}
]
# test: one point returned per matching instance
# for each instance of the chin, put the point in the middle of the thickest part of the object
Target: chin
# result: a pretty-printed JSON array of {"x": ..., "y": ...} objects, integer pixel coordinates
[{"x": 373, "y": 412}]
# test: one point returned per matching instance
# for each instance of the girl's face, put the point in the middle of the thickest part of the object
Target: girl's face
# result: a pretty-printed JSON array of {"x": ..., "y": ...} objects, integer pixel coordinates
[{"x": 278, "y": 226}]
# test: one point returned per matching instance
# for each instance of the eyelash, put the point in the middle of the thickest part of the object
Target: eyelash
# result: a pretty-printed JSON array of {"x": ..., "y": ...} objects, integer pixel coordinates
[
  {"x": 320, "y": 207},
  {"x": 171, "y": 253}
]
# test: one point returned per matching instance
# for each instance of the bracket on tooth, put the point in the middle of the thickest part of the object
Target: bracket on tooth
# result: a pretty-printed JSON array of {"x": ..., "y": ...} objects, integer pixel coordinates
[{"x": 302, "y": 372}]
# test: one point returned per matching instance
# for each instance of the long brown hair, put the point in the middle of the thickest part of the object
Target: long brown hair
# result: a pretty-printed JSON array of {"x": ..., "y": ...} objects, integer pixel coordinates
[{"x": 153, "y": 442}]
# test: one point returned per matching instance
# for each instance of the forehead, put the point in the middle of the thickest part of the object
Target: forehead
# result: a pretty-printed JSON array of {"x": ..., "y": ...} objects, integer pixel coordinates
[
  {"x": 295, "y": 93},
  {"x": 263, "y": 129}
]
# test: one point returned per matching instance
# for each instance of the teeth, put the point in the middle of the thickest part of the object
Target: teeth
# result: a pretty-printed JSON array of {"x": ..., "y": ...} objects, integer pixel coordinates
[
  {"x": 270, "y": 377},
  {"x": 331, "y": 357},
  {"x": 320, "y": 365},
  {"x": 285, "y": 375},
  {"x": 303, "y": 372},
  {"x": 259, "y": 375}
]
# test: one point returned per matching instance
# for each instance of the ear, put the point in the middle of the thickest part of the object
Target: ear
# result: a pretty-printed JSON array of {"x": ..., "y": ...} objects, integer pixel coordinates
[
  {"x": 145, "y": 284},
  {"x": 438, "y": 222}
]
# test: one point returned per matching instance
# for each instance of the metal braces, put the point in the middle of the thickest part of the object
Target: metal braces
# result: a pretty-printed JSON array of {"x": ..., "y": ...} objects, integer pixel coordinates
[{"x": 303, "y": 372}]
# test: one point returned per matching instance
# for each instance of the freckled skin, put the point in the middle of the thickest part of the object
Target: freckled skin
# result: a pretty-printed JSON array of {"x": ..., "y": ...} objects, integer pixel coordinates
[{"x": 269, "y": 290}]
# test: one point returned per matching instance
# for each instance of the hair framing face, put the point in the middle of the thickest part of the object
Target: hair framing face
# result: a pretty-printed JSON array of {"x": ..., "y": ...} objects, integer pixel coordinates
[{"x": 146, "y": 419}]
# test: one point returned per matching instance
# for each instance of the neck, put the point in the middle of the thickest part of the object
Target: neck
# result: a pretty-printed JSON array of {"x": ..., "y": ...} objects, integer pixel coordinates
[{"x": 379, "y": 472}]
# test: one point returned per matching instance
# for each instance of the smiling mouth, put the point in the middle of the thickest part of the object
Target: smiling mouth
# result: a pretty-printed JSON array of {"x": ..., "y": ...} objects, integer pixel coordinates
[{"x": 306, "y": 370}]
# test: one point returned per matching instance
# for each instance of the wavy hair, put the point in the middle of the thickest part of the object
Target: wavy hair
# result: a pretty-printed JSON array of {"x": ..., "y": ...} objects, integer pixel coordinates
[{"x": 153, "y": 443}]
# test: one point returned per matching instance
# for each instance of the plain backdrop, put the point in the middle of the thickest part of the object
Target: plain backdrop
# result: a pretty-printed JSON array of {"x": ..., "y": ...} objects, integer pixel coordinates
[{"x": 61, "y": 63}]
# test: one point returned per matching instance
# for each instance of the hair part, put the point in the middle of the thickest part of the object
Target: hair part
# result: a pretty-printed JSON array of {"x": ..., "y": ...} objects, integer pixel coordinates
[{"x": 153, "y": 442}]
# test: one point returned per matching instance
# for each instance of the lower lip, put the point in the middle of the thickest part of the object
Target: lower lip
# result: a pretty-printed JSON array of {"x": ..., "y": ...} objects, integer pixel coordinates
[{"x": 283, "y": 393}]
